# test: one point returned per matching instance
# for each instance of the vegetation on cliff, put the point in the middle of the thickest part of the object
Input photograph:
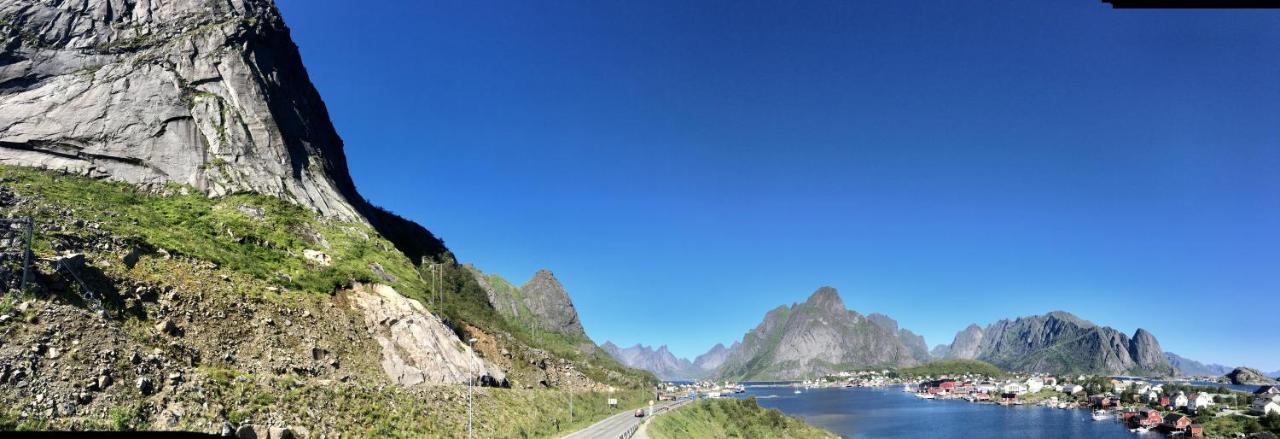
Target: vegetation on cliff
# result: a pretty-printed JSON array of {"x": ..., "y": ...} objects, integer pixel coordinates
[{"x": 233, "y": 310}]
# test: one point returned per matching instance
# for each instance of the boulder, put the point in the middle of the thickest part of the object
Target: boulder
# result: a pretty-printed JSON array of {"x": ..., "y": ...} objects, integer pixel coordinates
[
  {"x": 318, "y": 257},
  {"x": 417, "y": 347}
]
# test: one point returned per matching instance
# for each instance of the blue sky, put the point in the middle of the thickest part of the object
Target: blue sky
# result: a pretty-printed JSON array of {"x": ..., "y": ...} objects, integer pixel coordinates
[{"x": 683, "y": 167}]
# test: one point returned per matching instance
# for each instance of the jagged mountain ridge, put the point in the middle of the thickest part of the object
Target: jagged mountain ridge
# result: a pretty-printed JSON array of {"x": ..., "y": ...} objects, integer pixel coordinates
[
  {"x": 1059, "y": 342},
  {"x": 660, "y": 361},
  {"x": 815, "y": 337},
  {"x": 1189, "y": 367}
]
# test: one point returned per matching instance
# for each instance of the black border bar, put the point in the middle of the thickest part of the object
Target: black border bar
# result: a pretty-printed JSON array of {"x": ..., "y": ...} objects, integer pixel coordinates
[{"x": 1193, "y": 4}]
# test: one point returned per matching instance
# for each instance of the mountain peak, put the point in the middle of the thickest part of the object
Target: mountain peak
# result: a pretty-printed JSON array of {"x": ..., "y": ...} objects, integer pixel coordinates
[{"x": 826, "y": 297}]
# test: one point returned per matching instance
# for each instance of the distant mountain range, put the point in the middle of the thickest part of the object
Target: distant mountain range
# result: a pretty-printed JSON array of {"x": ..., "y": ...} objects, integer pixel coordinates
[
  {"x": 821, "y": 336},
  {"x": 1189, "y": 367},
  {"x": 1059, "y": 342},
  {"x": 666, "y": 365}
]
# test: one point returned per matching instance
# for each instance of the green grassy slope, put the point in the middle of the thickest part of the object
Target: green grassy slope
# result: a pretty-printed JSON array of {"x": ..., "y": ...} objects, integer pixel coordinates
[{"x": 731, "y": 418}]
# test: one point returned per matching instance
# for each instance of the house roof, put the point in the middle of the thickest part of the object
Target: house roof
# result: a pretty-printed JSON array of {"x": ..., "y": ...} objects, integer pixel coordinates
[
  {"x": 1265, "y": 390},
  {"x": 1173, "y": 417}
]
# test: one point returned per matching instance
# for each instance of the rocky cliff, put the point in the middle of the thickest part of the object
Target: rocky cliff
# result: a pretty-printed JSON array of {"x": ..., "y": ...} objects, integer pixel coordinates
[
  {"x": 915, "y": 343},
  {"x": 1059, "y": 342},
  {"x": 207, "y": 93},
  {"x": 541, "y": 303},
  {"x": 1245, "y": 375},
  {"x": 967, "y": 343},
  {"x": 210, "y": 94},
  {"x": 171, "y": 131},
  {"x": 812, "y": 338}
]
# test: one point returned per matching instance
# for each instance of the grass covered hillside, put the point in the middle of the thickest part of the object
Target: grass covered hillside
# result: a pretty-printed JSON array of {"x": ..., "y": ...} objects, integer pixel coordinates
[
  {"x": 952, "y": 367},
  {"x": 236, "y": 310},
  {"x": 731, "y": 418}
]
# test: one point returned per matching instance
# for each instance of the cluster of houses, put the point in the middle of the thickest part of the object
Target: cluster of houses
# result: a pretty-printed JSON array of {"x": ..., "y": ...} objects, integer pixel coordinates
[
  {"x": 1265, "y": 401},
  {"x": 1172, "y": 422},
  {"x": 983, "y": 389}
]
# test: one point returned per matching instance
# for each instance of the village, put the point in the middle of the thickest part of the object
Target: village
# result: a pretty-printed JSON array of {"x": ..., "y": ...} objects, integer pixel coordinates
[{"x": 1174, "y": 408}]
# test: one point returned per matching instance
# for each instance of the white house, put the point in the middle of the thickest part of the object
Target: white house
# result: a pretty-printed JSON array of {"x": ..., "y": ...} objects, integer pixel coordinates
[
  {"x": 1179, "y": 400},
  {"x": 986, "y": 388},
  {"x": 1153, "y": 396},
  {"x": 1263, "y": 406},
  {"x": 1072, "y": 389},
  {"x": 1014, "y": 388},
  {"x": 1034, "y": 385},
  {"x": 1120, "y": 385},
  {"x": 1199, "y": 400}
]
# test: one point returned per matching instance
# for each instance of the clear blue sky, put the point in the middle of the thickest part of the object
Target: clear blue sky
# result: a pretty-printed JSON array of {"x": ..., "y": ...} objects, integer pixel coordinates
[{"x": 684, "y": 166}]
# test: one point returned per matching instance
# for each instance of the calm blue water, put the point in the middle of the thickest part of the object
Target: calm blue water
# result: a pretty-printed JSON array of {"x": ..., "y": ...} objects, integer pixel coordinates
[{"x": 891, "y": 413}]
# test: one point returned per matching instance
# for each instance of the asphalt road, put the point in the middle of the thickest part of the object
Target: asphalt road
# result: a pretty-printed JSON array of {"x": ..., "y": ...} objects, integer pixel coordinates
[{"x": 613, "y": 426}]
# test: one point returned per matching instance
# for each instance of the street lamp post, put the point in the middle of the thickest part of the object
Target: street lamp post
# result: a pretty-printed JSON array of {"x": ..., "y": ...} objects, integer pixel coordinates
[{"x": 472, "y": 344}]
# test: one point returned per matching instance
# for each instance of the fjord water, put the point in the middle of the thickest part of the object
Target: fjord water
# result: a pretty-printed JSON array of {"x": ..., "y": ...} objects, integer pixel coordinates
[{"x": 891, "y": 413}]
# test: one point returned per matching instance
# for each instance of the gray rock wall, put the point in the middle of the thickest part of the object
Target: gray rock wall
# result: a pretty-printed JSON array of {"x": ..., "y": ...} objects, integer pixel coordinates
[{"x": 212, "y": 94}]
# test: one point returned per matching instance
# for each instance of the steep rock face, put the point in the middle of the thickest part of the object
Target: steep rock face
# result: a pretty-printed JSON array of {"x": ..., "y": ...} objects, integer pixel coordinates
[
  {"x": 550, "y": 305},
  {"x": 1245, "y": 375},
  {"x": 211, "y": 94},
  {"x": 416, "y": 346},
  {"x": 712, "y": 358},
  {"x": 542, "y": 303},
  {"x": 1189, "y": 367},
  {"x": 967, "y": 344},
  {"x": 914, "y": 343},
  {"x": 661, "y": 361},
  {"x": 1060, "y": 342},
  {"x": 815, "y": 337},
  {"x": 504, "y": 297},
  {"x": 939, "y": 352},
  {"x": 1146, "y": 351}
]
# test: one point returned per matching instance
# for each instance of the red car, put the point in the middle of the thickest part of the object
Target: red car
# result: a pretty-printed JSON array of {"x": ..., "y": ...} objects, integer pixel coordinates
[{"x": 639, "y": 413}]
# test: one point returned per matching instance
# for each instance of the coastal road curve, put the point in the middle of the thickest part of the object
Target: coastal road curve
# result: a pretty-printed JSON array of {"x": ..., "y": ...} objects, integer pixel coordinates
[{"x": 614, "y": 426}]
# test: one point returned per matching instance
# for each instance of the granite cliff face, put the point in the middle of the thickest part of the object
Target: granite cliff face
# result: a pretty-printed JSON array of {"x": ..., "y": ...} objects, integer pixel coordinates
[
  {"x": 550, "y": 304},
  {"x": 967, "y": 343},
  {"x": 1059, "y": 342},
  {"x": 813, "y": 338},
  {"x": 915, "y": 343},
  {"x": 207, "y": 93}
]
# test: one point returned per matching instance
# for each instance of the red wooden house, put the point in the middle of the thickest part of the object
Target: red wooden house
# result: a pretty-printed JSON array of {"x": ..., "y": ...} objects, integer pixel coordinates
[
  {"x": 1145, "y": 418},
  {"x": 1175, "y": 422},
  {"x": 1196, "y": 430}
]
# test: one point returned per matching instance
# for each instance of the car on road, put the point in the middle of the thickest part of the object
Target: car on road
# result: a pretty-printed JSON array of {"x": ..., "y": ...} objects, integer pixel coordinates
[{"x": 639, "y": 413}]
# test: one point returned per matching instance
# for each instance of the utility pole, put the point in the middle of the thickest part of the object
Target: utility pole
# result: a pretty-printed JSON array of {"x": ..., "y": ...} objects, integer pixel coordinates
[{"x": 472, "y": 344}]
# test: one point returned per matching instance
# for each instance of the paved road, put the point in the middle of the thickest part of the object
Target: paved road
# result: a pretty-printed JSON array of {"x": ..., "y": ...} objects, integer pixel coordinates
[{"x": 613, "y": 426}]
